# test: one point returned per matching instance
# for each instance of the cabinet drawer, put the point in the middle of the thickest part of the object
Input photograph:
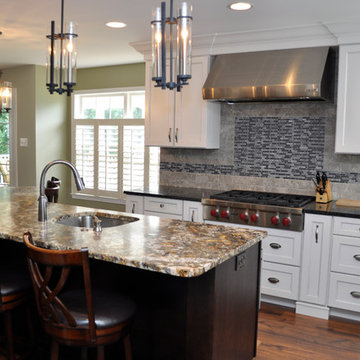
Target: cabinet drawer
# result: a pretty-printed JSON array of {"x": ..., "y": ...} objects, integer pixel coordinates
[
  {"x": 280, "y": 280},
  {"x": 347, "y": 226},
  {"x": 161, "y": 205},
  {"x": 346, "y": 255},
  {"x": 282, "y": 246},
  {"x": 193, "y": 211},
  {"x": 163, "y": 215},
  {"x": 344, "y": 292}
]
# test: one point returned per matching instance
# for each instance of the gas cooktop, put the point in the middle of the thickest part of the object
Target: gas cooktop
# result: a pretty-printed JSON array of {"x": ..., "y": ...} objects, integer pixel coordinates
[
  {"x": 280, "y": 211},
  {"x": 264, "y": 198}
]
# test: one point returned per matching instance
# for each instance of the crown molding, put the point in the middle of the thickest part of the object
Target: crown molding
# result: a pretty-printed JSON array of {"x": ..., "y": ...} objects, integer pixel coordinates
[{"x": 325, "y": 34}]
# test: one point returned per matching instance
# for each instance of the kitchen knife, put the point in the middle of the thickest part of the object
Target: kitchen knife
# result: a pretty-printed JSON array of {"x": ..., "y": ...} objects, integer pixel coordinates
[
  {"x": 324, "y": 180},
  {"x": 318, "y": 178}
]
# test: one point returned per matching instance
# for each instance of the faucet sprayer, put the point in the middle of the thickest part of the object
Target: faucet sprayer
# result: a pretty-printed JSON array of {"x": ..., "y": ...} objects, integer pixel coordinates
[{"x": 42, "y": 213}]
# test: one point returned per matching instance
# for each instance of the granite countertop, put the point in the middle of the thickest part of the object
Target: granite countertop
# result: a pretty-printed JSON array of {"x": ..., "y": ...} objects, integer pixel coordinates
[
  {"x": 331, "y": 209},
  {"x": 174, "y": 192},
  {"x": 174, "y": 247}
]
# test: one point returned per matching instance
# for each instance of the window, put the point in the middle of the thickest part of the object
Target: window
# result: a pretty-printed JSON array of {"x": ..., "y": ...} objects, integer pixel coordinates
[
  {"x": 108, "y": 142},
  {"x": 4, "y": 149}
]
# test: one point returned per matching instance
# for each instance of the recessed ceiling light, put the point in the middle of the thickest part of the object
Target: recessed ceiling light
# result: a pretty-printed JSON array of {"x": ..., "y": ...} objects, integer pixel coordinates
[
  {"x": 240, "y": 6},
  {"x": 115, "y": 24}
]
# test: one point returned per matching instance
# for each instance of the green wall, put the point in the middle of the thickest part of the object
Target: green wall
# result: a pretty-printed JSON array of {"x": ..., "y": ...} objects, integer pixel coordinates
[
  {"x": 107, "y": 77},
  {"x": 51, "y": 129},
  {"x": 46, "y": 121},
  {"x": 23, "y": 79}
]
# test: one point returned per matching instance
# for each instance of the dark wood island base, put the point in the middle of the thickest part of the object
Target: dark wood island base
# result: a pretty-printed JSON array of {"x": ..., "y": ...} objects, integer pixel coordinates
[{"x": 209, "y": 317}]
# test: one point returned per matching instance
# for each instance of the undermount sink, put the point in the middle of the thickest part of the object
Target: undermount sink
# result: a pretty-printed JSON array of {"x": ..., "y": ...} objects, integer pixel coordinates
[{"x": 89, "y": 220}]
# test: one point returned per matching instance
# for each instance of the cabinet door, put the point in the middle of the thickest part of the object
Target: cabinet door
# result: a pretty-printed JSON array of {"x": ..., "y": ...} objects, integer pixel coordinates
[
  {"x": 315, "y": 259},
  {"x": 348, "y": 105},
  {"x": 134, "y": 204},
  {"x": 159, "y": 113},
  {"x": 197, "y": 121},
  {"x": 193, "y": 211}
]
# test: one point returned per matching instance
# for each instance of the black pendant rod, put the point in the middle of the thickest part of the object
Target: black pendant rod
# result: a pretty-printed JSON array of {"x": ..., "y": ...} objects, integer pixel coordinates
[{"x": 61, "y": 48}]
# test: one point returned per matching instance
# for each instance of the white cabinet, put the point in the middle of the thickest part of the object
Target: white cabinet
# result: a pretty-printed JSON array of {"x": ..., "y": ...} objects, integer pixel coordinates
[
  {"x": 315, "y": 259},
  {"x": 344, "y": 290},
  {"x": 348, "y": 105},
  {"x": 182, "y": 119},
  {"x": 280, "y": 280},
  {"x": 165, "y": 207},
  {"x": 193, "y": 211},
  {"x": 134, "y": 204}
]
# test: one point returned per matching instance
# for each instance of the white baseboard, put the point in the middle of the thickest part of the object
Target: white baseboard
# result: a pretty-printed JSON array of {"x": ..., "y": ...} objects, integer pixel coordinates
[
  {"x": 350, "y": 315},
  {"x": 318, "y": 311},
  {"x": 277, "y": 301}
]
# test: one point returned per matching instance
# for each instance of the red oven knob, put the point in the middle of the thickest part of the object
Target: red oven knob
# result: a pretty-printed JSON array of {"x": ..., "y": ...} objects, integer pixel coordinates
[
  {"x": 254, "y": 217},
  {"x": 214, "y": 212},
  {"x": 275, "y": 220},
  {"x": 244, "y": 216},
  {"x": 286, "y": 221},
  {"x": 225, "y": 214}
]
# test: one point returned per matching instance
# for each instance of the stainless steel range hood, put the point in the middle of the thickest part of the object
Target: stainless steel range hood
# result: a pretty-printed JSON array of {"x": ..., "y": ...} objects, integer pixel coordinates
[{"x": 294, "y": 74}]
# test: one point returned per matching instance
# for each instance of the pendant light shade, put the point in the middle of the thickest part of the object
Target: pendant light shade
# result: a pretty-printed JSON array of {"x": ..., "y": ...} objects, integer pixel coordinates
[
  {"x": 165, "y": 41},
  {"x": 5, "y": 95},
  {"x": 61, "y": 62}
]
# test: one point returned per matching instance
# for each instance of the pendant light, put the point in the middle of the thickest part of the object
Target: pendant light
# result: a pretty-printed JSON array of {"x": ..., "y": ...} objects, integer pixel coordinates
[
  {"x": 5, "y": 95},
  {"x": 182, "y": 66},
  {"x": 61, "y": 77}
]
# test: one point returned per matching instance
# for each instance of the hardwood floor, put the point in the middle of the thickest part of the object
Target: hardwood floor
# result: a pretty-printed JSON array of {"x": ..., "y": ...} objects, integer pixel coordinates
[
  {"x": 282, "y": 335},
  {"x": 285, "y": 335}
]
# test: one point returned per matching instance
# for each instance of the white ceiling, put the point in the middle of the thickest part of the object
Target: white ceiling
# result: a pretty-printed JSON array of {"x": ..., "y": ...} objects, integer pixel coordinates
[{"x": 25, "y": 24}]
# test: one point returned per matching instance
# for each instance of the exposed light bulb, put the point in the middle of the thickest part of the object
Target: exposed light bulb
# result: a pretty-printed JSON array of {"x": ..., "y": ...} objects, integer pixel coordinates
[{"x": 240, "y": 6}]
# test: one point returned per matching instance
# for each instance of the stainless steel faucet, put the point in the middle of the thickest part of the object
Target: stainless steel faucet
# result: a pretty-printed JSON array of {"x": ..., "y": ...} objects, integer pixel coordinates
[{"x": 42, "y": 213}]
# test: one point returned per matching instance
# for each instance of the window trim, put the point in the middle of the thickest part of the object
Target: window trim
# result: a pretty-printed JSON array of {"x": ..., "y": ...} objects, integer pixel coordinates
[{"x": 103, "y": 197}]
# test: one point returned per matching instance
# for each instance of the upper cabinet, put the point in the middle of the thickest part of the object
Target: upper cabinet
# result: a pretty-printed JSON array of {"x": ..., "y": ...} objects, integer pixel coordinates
[
  {"x": 182, "y": 119},
  {"x": 348, "y": 105}
]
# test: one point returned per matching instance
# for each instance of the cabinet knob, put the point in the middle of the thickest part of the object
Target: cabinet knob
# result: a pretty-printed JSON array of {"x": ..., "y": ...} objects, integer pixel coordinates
[
  {"x": 355, "y": 294},
  {"x": 357, "y": 257},
  {"x": 275, "y": 245},
  {"x": 162, "y": 205},
  {"x": 273, "y": 280}
]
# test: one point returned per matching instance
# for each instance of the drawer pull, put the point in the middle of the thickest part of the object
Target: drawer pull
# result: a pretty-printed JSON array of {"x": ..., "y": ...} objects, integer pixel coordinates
[
  {"x": 317, "y": 234},
  {"x": 275, "y": 245},
  {"x": 192, "y": 215},
  {"x": 162, "y": 205},
  {"x": 273, "y": 280},
  {"x": 133, "y": 209},
  {"x": 169, "y": 135},
  {"x": 357, "y": 257},
  {"x": 355, "y": 294}
]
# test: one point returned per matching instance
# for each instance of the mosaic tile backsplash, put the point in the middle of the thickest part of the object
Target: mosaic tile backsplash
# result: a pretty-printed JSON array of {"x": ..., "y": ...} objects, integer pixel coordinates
[{"x": 271, "y": 142}]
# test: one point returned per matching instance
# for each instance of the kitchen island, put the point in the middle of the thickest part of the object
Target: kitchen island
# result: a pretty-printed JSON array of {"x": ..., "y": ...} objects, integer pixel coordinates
[{"x": 198, "y": 301}]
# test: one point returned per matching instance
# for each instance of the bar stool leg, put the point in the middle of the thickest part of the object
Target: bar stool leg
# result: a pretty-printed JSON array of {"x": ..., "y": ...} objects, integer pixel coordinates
[
  {"x": 100, "y": 352},
  {"x": 127, "y": 347},
  {"x": 54, "y": 350},
  {"x": 9, "y": 335}
]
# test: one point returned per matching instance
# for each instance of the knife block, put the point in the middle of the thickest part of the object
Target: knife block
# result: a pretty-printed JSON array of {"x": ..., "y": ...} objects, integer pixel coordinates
[{"x": 326, "y": 196}]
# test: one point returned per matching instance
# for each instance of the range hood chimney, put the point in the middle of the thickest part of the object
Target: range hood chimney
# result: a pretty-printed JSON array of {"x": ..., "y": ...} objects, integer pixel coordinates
[{"x": 293, "y": 74}]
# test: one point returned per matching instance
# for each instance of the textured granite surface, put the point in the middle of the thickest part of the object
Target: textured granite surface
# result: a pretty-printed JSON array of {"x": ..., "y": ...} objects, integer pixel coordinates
[
  {"x": 168, "y": 246},
  {"x": 174, "y": 192}
]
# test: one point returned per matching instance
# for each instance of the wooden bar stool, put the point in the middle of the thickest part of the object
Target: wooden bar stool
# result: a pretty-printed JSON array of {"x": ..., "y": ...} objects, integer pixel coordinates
[
  {"x": 81, "y": 317},
  {"x": 15, "y": 290}
]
